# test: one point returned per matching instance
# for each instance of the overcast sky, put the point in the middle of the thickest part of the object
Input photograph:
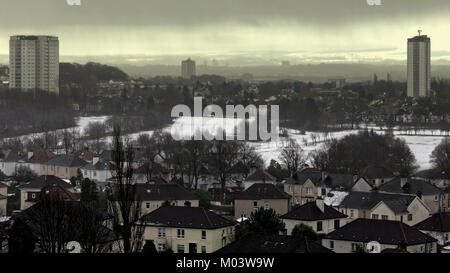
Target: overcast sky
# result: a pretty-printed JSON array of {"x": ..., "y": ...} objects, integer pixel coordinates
[{"x": 305, "y": 30}]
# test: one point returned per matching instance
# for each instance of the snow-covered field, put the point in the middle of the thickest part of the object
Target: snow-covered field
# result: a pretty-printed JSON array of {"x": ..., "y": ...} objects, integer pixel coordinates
[{"x": 421, "y": 146}]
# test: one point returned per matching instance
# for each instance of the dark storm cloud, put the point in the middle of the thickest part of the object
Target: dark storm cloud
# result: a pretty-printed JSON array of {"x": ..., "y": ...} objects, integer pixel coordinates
[{"x": 326, "y": 13}]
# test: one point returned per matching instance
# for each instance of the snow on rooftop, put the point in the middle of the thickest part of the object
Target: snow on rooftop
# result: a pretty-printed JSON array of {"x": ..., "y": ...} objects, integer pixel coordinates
[{"x": 336, "y": 198}]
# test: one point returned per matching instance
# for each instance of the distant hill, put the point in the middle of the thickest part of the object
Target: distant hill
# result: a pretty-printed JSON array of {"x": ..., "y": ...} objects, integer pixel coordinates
[{"x": 78, "y": 73}]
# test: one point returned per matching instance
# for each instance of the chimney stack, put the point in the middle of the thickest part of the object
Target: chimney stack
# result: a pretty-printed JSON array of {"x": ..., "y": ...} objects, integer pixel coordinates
[{"x": 320, "y": 204}]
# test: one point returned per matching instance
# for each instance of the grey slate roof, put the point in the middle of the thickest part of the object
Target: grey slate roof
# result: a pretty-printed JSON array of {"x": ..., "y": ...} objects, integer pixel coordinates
[
  {"x": 310, "y": 212},
  {"x": 437, "y": 222},
  {"x": 163, "y": 192},
  {"x": 185, "y": 217},
  {"x": 259, "y": 191},
  {"x": 101, "y": 165},
  {"x": 382, "y": 231},
  {"x": 340, "y": 181},
  {"x": 272, "y": 243},
  {"x": 67, "y": 160},
  {"x": 367, "y": 200},
  {"x": 300, "y": 177},
  {"x": 412, "y": 186}
]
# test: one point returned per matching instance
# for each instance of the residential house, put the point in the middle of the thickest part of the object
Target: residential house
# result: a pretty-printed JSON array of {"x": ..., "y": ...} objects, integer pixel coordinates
[
  {"x": 99, "y": 170},
  {"x": 29, "y": 193},
  {"x": 63, "y": 166},
  {"x": 259, "y": 195},
  {"x": 441, "y": 179},
  {"x": 305, "y": 186},
  {"x": 437, "y": 226},
  {"x": 149, "y": 171},
  {"x": 38, "y": 158},
  {"x": 153, "y": 196},
  {"x": 8, "y": 161},
  {"x": 272, "y": 243},
  {"x": 406, "y": 208},
  {"x": 259, "y": 176},
  {"x": 435, "y": 198},
  {"x": 376, "y": 175},
  {"x": 3, "y": 199},
  {"x": 187, "y": 229},
  {"x": 321, "y": 218},
  {"x": 389, "y": 234},
  {"x": 344, "y": 182}
]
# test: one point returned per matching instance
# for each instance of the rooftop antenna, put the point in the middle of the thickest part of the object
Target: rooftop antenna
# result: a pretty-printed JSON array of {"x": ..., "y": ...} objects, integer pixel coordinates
[{"x": 420, "y": 32}]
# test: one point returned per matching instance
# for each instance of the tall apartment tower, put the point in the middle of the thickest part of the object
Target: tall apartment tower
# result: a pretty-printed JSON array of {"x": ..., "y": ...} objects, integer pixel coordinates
[
  {"x": 187, "y": 68},
  {"x": 34, "y": 63},
  {"x": 419, "y": 66}
]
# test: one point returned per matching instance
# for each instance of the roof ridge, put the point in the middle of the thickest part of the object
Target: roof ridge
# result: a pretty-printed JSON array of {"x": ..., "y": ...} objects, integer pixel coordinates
[
  {"x": 403, "y": 232},
  {"x": 207, "y": 217}
]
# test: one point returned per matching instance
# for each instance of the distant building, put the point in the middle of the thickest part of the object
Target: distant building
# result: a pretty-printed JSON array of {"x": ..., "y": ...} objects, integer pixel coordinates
[
  {"x": 188, "y": 68},
  {"x": 261, "y": 195},
  {"x": 34, "y": 63},
  {"x": 285, "y": 63},
  {"x": 3, "y": 199},
  {"x": 389, "y": 77},
  {"x": 437, "y": 226},
  {"x": 338, "y": 82},
  {"x": 419, "y": 66}
]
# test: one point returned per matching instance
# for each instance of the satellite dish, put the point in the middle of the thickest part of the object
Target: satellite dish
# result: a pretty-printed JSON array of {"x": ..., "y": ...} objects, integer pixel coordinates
[
  {"x": 373, "y": 247},
  {"x": 73, "y": 247}
]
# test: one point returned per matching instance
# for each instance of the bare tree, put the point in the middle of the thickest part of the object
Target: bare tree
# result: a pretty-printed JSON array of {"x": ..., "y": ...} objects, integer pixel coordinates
[
  {"x": 292, "y": 156},
  {"x": 123, "y": 204},
  {"x": 440, "y": 157}
]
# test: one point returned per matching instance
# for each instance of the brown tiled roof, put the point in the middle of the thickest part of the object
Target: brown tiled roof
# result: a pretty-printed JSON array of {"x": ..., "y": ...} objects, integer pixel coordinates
[
  {"x": 47, "y": 180},
  {"x": 41, "y": 156},
  {"x": 260, "y": 175},
  {"x": 163, "y": 192},
  {"x": 259, "y": 191}
]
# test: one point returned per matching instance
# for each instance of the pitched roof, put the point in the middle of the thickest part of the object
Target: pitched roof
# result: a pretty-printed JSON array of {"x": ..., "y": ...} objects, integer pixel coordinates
[
  {"x": 100, "y": 165},
  {"x": 376, "y": 171},
  {"x": 339, "y": 181},
  {"x": 239, "y": 168},
  {"x": 273, "y": 243},
  {"x": 310, "y": 212},
  {"x": 67, "y": 160},
  {"x": 11, "y": 156},
  {"x": 163, "y": 192},
  {"x": 85, "y": 155},
  {"x": 437, "y": 222},
  {"x": 300, "y": 177},
  {"x": 41, "y": 156},
  {"x": 382, "y": 231},
  {"x": 154, "y": 167},
  {"x": 46, "y": 180},
  {"x": 185, "y": 217},
  {"x": 412, "y": 186},
  {"x": 260, "y": 191},
  {"x": 57, "y": 192},
  {"x": 367, "y": 200},
  {"x": 260, "y": 175}
]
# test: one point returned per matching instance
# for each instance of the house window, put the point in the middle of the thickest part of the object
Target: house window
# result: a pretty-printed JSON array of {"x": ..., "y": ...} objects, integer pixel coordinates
[
  {"x": 67, "y": 170},
  {"x": 161, "y": 247},
  {"x": 204, "y": 234},
  {"x": 351, "y": 214},
  {"x": 309, "y": 190},
  {"x": 410, "y": 217},
  {"x": 290, "y": 188},
  {"x": 266, "y": 205},
  {"x": 180, "y": 248},
  {"x": 324, "y": 191},
  {"x": 384, "y": 217},
  {"x": 331, "y": 244},
  {"x": 147, "y": 205},
  {"x": 255, "y": 204},
  {"x": 180, "y": 233},
  {"x": 446, "y": 237},
  {"x": 337, "y": 224},
  {"x": 319, "y": 226},
  {"x": 161, "y": 232},
  {"x": 375, "y": 216},
  {"x": 95, "y": 173},
  {"x": 364, "y": 214},
  {"x": 203, "y": 249},
  {"x": 355, "y": 246}
]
